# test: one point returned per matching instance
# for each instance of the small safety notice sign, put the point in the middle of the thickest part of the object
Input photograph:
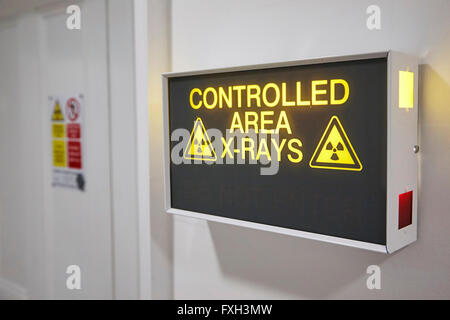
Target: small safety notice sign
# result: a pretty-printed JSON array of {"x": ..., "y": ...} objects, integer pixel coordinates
[{"x": 67, "y": 141}]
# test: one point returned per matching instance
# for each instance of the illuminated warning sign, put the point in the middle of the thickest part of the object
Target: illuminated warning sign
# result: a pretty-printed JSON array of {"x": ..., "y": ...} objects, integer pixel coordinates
[
  {"x": 319, "y": 148},
  {"x": 335, "y": 150},
  {"x": 318, "y": 130},
  {"x": 199, "y": 146},
  {"x": 57, "y": 113}
]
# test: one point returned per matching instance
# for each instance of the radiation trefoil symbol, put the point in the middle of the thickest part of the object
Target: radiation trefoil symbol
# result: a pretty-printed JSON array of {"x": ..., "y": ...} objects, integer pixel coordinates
[
  {"x": 199, "y": 146},
  {"x": 334, "y": 150}
]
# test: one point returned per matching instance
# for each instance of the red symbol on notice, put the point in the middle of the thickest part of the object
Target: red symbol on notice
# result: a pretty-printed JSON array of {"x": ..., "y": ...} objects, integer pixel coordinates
[
  {"x": 73, "y": 131},
  {"x": 72, "y": 109},
  {"x": 74, "y": 154},
  {"x": 405, "y": 203}
]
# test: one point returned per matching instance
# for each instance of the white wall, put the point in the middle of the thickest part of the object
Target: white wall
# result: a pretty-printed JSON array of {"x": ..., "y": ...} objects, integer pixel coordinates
[{"x": 213, "y": 260}]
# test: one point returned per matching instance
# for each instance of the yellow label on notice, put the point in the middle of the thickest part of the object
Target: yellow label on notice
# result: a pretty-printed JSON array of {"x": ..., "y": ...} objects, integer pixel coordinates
[
  {"x": 334, "y": 150},
  {"x": 58, "y": 130},
  {"x": 59, "y": 153}
]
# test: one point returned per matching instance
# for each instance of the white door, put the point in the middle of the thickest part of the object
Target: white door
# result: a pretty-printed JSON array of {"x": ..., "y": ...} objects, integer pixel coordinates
[
  {"x": 79, "y": 223},
  {"x": 44, "y": 229}
]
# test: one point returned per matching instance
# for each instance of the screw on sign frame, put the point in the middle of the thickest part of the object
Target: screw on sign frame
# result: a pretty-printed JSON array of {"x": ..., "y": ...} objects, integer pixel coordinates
[{"x": 72, "y": 109}]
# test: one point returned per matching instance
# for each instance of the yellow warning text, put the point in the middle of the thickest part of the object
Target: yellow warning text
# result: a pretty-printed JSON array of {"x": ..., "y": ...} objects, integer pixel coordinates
[
  {"x": 269, "y": 148},
  {"x": 265, "y": 122},
  {"x": 57, "y": 114}
]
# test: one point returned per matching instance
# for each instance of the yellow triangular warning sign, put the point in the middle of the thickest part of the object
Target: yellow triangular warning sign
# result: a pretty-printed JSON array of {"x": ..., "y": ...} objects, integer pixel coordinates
[
  {"x": 57, "y": 113},
  {"x": 334, "y": 150},
  {"x": 199, "y": 146}
]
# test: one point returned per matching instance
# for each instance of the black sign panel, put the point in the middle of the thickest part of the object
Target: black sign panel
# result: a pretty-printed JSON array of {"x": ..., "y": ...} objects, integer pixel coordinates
[{"x": 327, "y": 125}]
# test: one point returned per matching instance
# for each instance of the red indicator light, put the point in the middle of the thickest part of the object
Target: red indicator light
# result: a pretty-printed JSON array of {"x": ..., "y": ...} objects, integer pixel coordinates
[{"x": 405, "y": 209}]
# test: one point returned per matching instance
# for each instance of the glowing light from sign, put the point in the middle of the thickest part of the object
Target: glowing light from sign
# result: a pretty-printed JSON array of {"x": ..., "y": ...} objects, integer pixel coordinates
[{"x": 405, "y": 89}]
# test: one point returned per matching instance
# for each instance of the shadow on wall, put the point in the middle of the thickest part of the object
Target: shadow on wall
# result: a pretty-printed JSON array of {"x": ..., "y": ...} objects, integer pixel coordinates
[
  {"x": 287, "y": 263},
  {"x": 313, "y": 269}
]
